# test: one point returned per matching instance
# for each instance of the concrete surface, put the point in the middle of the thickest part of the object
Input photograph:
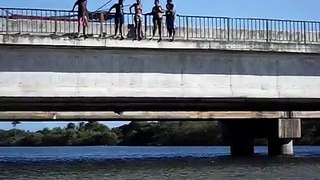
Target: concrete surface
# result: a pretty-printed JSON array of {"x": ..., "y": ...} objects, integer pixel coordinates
[
  {"x": 107, "y": 43},
  {"x": 52, "y": 71},
  {"x": 151, "y": 115}
]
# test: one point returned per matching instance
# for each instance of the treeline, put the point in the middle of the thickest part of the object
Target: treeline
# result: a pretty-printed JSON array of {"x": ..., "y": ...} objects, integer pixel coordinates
[
  {"x": 135, "y": 134},
  {"x": 83, "y": 134},
  {"x": 310, "y": 133}
]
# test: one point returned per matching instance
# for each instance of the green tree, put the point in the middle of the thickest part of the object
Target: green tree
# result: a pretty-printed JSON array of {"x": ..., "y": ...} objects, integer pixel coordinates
[
  {"x": 81, "y": 125},
  {"x": 14, "y": 124},
  {"x": 136, "y": 133},
  {"x": 71, "y": 126},
  {"x": 91, "y": 125}
]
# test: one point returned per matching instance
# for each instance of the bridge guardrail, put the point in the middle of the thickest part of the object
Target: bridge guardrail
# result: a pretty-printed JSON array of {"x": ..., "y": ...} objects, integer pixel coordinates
[{"x": 62, "y": 22}]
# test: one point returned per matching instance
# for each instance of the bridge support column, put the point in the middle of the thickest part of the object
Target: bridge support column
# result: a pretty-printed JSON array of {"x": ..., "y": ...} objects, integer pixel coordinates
[
  {"x": 242, "y": 146},
  {"x": 239, "y": 134},
  {"x": 287, "y": 131},
  {"x": 280, "y": 147}
]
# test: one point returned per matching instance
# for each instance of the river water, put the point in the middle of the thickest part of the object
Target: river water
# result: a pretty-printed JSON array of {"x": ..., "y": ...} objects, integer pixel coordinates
[{"x": 154, "y": 163}]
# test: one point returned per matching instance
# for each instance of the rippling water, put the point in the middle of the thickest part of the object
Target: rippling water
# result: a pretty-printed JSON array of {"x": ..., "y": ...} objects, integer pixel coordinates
[{"x": 154, "y": 163}]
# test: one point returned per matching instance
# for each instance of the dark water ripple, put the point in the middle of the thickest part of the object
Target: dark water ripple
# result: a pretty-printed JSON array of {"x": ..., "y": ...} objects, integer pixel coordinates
[{"x": 154, "y": 163}]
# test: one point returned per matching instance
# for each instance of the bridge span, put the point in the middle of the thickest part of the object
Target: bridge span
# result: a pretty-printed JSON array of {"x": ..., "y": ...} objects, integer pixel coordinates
[
  {"x": 42, "y": 73},
  {"x": 214, "y": 67}
]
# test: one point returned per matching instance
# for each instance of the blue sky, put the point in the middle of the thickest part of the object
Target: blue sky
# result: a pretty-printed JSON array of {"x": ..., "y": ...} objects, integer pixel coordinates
[
  {"x": 275, "y": 9},
  {"x": 34, "y": 126},
  {"x": 283, "y": 9}
]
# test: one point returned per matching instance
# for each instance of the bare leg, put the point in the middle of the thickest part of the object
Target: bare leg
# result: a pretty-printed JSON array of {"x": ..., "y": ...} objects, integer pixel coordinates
[
  {"x": 173, "y": 29},
  {"x": 160, "y": 28},
  {"x": 168, "y": 27},
  {"x": 173, "y": 33},
  {"x": 136, "y": 28},
  {"x": 139, "y": 29},
  {"x": 120, "y": 29},
  {"x": 116, "y": 30},
  {"x": 84, "y": 32},
  {"x": 170, "y": 32},
  {"x": 154, "y": 27},
  {"x": 78, "y": 35}
]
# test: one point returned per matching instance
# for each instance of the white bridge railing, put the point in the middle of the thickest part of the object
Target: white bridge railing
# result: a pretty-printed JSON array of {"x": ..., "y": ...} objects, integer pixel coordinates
[{"x": 62, "y": 22}]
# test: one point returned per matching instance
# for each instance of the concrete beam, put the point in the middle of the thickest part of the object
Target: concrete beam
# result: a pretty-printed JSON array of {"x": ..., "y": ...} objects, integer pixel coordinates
[
  {"x": 306, "y": 114},
  {"x": 32, "y": 71},
  {"x": 248, "y": 45},
  {"x": 150, "y": 115},
  {"x": 289, "y": 128}
]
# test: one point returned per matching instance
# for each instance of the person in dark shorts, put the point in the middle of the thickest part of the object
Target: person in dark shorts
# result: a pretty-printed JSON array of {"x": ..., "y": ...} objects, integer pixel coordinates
[
  {"x": 119, "y": 17},
  {"x": 82, "y": 16},
  {"x": 170, "y": 18},
  {"x": 137, "y": 18},
  {"x": 157, "y": 13}
]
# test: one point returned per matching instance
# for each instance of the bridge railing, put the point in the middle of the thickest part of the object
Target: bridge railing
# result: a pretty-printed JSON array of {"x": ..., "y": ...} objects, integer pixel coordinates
[{"x": 62, "y": 22}]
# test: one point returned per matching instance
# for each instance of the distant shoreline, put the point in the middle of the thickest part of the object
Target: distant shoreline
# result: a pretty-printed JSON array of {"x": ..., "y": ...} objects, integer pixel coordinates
[{"x": 138, "y": 134}]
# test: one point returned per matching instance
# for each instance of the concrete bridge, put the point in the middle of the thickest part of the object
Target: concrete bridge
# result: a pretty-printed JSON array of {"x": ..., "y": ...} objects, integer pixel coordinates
[{"x": 250, "y": 69}]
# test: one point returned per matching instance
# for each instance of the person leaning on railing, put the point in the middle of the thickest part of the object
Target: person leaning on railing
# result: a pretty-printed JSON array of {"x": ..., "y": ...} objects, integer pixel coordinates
[
  {"x": 170, "y": 18},
  {"x": 137, "y": 18},
  {"x": 119, "y": 18},
  {"x": 82, "y": 16}
]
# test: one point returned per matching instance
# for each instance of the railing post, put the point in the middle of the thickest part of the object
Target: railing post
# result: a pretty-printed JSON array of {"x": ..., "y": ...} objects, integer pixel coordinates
[
  {"x": 7, "y": 22},
  {"x": 187, "y": 24},
  {"x": 267, "y": 29},
  {"x": 55, "y": 23},
  {"x": 304, "y": 32},
  {"x": 145, "y": 25},
  {"x": 228, "y": 21},
  {"x": 101, "y": 24}
]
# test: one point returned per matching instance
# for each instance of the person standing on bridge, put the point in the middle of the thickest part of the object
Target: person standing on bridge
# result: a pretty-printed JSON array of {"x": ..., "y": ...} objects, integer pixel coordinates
[
  {"x": 119, "y": 18},
  {"x": 170, "y": 18},
  {"x": 157, "y": 13},
  {"x": 82, "y": 16},
  {"x": 137, "y": 18}
]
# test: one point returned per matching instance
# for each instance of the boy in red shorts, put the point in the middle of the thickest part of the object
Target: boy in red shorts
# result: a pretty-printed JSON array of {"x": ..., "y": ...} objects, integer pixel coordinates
[{"x": 82, "y": 16}]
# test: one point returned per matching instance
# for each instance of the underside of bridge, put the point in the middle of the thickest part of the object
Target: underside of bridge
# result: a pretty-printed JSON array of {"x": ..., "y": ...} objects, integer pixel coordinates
[
  {"x": 279, "y": 132},
  {"x": 122, "y": 104},
  {"x": 279, "y": 128}
]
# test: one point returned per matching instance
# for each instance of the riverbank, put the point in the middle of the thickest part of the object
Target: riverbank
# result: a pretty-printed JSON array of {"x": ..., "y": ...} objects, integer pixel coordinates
[{"x": 138, "y": 134}]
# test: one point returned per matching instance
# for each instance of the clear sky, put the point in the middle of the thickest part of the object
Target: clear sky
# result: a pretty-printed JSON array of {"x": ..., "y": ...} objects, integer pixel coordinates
[
  {"x": 283, "y": 9},
  {"x": 276, "y": 9},
  {"x": 34, "y": 126}
]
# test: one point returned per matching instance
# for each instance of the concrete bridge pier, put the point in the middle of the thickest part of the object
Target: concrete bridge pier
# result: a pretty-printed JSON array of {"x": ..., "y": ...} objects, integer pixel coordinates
[
  {"x": 280, "y": 134},
  {"x": 239, "y": 134},
  {"x": 280, "y": 146},
  {"x": 281, "y": 143},
  {"x": 242, "y": 146}
]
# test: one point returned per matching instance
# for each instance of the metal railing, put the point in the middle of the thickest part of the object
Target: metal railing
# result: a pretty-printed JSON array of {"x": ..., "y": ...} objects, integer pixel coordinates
[{"x": 62, "y": 22}]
